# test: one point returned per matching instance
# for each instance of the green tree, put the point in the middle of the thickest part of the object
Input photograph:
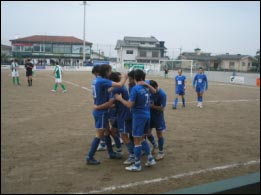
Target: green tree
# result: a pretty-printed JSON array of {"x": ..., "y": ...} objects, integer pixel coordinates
[{"x": 256, "y": 62}]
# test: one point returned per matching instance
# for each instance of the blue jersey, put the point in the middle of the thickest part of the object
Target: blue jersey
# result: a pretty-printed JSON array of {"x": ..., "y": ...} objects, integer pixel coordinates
[
  {"x": 122, "y": 111},
  {"x": 200, "y": 81},
  {"x": 159, "y": 99},
  {"x": 100, "y": 92},
  {"x": 180, "y": 82},
  {"x": 140, "y": 96}
]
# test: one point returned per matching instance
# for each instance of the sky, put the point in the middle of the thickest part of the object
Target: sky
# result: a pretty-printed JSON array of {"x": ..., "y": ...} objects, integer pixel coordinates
[{"x": 215, "y": 27}]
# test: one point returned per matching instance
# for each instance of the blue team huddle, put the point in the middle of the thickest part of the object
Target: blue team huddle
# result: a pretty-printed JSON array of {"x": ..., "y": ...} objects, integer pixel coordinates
[{"x": 131, "y": 114}]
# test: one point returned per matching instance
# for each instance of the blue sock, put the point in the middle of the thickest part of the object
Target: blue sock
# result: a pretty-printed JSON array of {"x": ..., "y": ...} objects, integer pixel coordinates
[
  {"x": 130, "y": 148},
  {"x": 161, "y": 143},
  {"x": 146, "y": 147},
  {"x": 183, "y": 101},
  {"x": 152, "y": 139},
  {"x": 200, "y": 99},
  {"x": 108, "y": 144},
  {"x": 94, "y": 146},
  {"x": 137, "y": 153},
  {"x": 176, "y": 102},
  {"x": 117, "y": 141}
]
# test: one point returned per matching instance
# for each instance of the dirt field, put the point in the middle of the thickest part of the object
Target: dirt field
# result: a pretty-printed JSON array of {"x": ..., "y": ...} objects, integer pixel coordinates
[{"x": 45, "y": 137}]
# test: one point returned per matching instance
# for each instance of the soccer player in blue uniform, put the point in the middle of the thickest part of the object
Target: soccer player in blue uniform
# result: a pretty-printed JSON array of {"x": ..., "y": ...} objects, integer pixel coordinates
[
  {"x": 124, "y": 118},
  {"x": 157, "y": 107},
  {"x": 140, "y": 104},
  {"x": 180, "y": 83},
  {"x": 201, "y": 84},
  {"x": 100, "y": 87}
]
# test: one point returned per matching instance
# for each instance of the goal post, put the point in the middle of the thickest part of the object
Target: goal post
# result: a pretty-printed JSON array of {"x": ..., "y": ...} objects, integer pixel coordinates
[{"x": 185, "y": 65}]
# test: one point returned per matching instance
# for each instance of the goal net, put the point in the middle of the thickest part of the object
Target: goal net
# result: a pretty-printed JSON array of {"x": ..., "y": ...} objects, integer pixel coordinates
[{"x": 185, "y": 65}]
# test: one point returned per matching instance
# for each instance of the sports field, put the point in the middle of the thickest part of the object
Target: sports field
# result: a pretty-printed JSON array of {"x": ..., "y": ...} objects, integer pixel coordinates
[{"x": 45, "y": 137}]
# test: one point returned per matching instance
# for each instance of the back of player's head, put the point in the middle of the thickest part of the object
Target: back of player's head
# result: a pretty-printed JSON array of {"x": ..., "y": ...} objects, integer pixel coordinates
[
  {"x": 200, "y": 68},
  {"x": 95, "y": 70},
  {"x": 57, "y": 63},
  {"x": 139, "y": 75},
  {"x": 131, "y": 74},
  {"x": 154, "y": 84},
  {"x": 115, "y": 77},
  {"x": 105, "y": 69}
]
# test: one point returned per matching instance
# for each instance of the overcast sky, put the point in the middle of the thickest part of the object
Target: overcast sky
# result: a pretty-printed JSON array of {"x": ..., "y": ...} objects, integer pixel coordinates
[{"x": 215, "y": 27}]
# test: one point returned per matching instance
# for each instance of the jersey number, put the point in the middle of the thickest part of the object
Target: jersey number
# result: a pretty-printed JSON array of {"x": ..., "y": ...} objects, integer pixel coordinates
[
  {"x": 147, "y": 99},
  {"x": 93, "y": 91}
]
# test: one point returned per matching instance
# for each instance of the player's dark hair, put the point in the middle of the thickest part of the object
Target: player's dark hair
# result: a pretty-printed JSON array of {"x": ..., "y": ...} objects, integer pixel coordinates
[
  {"x": 115, "y": 77},
  {"x": 104, "y": 69},
  {"x": 139, "y": 75},
  {"x": 200, "y": 68},
  {"x": 95, "y": 70},
  {"x": 131, "y": 74},
  {"x": 154, "y": 84}
]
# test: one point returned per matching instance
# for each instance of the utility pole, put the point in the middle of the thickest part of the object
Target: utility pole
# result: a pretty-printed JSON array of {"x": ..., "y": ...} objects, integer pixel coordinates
[{"x": 83, "y": 59}]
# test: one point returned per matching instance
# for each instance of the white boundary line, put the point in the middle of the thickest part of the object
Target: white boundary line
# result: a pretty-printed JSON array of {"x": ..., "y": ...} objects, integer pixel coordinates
[
  {"x": 219, "y": 101},
  {"x": 170, "y": 103},
  {"x": 157, "y": 180},
  {"x": 76, "y": 85}
]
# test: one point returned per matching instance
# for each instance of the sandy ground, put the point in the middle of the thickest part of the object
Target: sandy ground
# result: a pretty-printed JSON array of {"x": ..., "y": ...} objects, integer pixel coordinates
[{"x": 45, "y": 137}]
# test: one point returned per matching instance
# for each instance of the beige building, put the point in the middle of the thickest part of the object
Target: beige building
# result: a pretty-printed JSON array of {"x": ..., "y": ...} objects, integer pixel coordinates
[{"x": 242, "y": 63}]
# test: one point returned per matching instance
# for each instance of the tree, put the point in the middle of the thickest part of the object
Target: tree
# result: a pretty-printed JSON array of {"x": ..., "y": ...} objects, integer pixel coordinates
[{"x": 256, "y": 62}]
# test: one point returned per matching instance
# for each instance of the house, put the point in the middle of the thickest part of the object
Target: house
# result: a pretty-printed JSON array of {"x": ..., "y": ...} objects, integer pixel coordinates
[
  {"x": 140, "y": 49},
  {"x": 6, "y": 50},
  {"x": 226, "y": 61},
  {"x": 68, "y": 50}
]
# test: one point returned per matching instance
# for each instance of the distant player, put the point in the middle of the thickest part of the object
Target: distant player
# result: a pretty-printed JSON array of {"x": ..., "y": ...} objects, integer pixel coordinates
[
  {"x": 58, "y": 73},
  {"x": 201, "y": 84},
  {"x": 140, "y": 104},
  {"x": 180, "y": 85},
  {"x": 29, "y": 72},
  {"x": 166, "y": 71},
  {"x": 15, "y": 71}
]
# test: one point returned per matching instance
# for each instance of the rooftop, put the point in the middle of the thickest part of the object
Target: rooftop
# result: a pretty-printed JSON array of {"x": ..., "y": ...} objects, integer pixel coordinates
[{"x": 50, "y": 39}]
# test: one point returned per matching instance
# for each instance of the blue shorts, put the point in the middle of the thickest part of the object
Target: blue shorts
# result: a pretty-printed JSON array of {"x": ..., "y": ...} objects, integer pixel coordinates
[
  {"x": 180, "y": 91},
  {"x": 141, "y": 126},
  {"x": 200, "y": 89},
  {"x": 158, "y": 122},
  {"x": 124, "y": 126},
  {"x": 101, "y": 120}
]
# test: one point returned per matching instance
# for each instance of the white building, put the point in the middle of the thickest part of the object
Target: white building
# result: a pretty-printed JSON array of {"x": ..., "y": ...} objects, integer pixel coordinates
[{"x": 140, "y": 49}]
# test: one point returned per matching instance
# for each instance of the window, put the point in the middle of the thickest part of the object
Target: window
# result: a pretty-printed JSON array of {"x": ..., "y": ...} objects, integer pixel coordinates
[
  {"x": 129, "y": 52},
  {"x": 231, "y": 65},
  {"x": 142, "y": 43},
  {"x": 249, "y": 64},
  {"x": 77, "y": 48},
  {"x": 155, "y": 54},
  {"x": 243, "y": 63},
  {"x": 143, "y": 54},
  {"x": 67, "y": 49},
  {"x": 48, "y": 48},
  {"x": 37, "y": 48},
  {"x": 59, "y": 48},
  {"x": 27, "y": 48},
  {"x": 16, "y": 48}
]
